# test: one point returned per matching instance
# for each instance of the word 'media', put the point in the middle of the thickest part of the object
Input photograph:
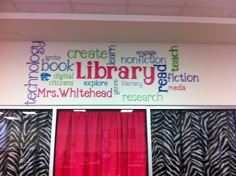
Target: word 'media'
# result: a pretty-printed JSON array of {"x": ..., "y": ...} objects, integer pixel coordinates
[
  {"x": 37, "y": 49},
  {"x": 177, "y": 87}
]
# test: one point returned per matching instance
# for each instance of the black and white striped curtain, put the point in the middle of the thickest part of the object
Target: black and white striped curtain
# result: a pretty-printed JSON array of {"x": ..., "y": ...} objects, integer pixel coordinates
[
  {"x": 25, "y": 143},
  {"x": 193, "y": 142}
]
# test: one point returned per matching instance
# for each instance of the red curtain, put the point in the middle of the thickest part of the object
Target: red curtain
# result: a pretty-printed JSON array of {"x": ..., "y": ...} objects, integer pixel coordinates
[{"x": 101, "y": 143}]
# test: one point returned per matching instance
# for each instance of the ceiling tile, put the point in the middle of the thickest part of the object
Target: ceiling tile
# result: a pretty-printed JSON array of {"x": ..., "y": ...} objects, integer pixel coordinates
[
  {"x": 212, "y": 3},
  {"x": 7, "y": 7},
  {"x": 43, "y": 7},
  {"x": 101, "y": 9},
  {"x": 100, "y": 1},
  {"x": 233, "y": 13},
  {"x": 206, "y": 12},
  {"x": 153, "y": 10},
  {"x": 40, "y": 1},
  {"x": 159, "y": 2}
]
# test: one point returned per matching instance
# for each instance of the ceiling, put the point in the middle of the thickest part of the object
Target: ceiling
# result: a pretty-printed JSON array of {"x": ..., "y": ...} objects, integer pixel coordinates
[
  {"x": 178, "y": 21},
  {"x": 203, "y": 8}
]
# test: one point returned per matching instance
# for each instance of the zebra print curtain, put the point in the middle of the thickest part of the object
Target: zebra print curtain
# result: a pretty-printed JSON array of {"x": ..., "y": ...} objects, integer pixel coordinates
[
  {"x": 193, "y": 142},
  {"x": 25, "y": 143}
]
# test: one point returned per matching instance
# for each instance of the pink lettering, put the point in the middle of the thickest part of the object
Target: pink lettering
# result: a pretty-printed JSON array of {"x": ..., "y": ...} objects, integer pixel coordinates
[{"x": 96, "y": 71}]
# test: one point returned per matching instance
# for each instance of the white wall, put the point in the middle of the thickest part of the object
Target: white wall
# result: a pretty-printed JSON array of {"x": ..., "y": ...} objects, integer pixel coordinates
[{"x": 212, "y": 66}]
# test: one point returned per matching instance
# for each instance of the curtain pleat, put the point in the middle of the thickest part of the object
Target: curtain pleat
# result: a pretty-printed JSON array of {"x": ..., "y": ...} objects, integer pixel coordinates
[
  {"x": 100, "y": 143},
  {"x": 193, "y": 142}
]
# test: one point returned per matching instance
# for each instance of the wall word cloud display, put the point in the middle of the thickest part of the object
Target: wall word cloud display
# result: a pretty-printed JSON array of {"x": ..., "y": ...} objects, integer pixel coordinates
[{"x": 66, "y": 73}]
